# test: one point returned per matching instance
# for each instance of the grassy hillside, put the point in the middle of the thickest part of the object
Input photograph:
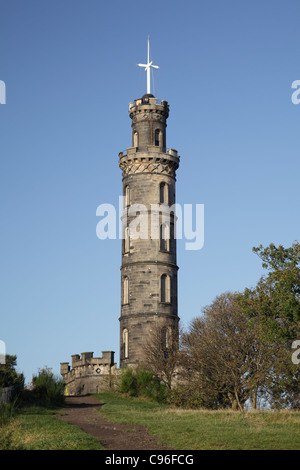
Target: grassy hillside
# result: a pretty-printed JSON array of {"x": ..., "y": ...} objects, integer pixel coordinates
[
  {"x": 37, "y": 428},
  {"x": 202, "y": 429}
]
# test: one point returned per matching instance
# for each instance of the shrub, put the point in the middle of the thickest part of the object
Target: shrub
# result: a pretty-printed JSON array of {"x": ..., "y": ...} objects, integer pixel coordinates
[
  {"x": 47, "y": 388},
  {"x": 143, "y": 383},
  {"x": 129, "y": 383},
  {"x": 189, "y": 395},
  {"x": 184, "y": 396},
  {"x": 150, "y": 385}
]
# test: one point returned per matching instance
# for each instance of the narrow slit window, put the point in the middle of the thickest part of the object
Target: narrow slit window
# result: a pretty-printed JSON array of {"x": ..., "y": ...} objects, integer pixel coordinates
[
  {"x": 125, "y": 290},
  {"x": 125, "y": 344},
  {"x": 157, "y": 133},
  {"x": 165, "y": 289},
  {"x": 164, "y": 193},
  {"x": 127, "y": 240},
  {"x": 127, "y": 195},
  {"x": 164, "y": 237}
]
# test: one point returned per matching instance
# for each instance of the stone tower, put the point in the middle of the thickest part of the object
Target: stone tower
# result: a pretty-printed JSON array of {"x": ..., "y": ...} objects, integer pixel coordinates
[{"x": 149, "y": 269}]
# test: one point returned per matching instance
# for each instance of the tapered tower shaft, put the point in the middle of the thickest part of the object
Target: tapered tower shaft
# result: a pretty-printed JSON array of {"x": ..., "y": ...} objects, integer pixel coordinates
[{"x": 149, "y": 269}]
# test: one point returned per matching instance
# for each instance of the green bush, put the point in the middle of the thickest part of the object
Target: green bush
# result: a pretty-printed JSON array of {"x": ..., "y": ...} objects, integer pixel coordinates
[
  {"x": 150, "y": 385},
  {"x": 47, "y": 388},
  {"x": 189, "y": 396},
  {"x": 129, "y": 383},
  {"x": 142, "y": 383},
  {"x": 145, "y": 383},
  {"x": 184, "y": 396}
]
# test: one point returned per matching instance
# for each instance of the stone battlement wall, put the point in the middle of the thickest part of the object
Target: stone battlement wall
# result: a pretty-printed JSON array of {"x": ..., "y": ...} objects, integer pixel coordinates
[{"x": 89, "y": 374}]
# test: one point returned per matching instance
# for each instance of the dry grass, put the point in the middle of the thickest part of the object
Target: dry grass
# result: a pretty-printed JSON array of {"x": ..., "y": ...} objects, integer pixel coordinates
[{"x": 205, "y": 429}]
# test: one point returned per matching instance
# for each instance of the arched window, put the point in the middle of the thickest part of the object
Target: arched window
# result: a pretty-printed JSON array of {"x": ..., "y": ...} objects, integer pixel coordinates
[
  {"x": 127, "y": 195},
  {"x": 125, "y": 344},
  {"x": 164, "y": 193},
  {"x": 165, "y": 289},
  {"x": 127, "y": 240},
  {"x": 125, "y": 290},
  {"x": 164, "y": 237},
  {"x": 135, "y": 139}
]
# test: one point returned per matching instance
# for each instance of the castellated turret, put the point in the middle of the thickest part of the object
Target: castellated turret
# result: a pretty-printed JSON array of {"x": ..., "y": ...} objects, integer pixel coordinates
[
  {"x": 89, "y": 374},
  {"x": 149, "y": 269}
]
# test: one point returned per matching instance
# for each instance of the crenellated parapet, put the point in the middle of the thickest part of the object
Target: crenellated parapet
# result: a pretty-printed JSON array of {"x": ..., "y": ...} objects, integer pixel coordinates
[
  {"x": 89, "y": 374},
  {"x": 149, "y": 122}
]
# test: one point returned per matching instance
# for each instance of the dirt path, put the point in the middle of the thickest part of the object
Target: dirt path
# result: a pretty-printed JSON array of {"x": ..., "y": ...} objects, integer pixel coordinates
[{"x": 80, "y": 411}]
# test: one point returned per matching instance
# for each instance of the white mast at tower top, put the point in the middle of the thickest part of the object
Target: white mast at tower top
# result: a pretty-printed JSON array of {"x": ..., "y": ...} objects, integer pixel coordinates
[{"x": 148, "y": 67}]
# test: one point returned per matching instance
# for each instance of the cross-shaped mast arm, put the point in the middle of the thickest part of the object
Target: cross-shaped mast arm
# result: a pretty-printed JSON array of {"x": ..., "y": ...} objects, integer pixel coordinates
[{"x": 148, "y": 66}]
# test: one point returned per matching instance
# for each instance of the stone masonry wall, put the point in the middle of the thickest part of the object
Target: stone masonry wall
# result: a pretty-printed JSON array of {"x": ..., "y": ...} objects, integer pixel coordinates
[
  {"x": 89, "y": 374},
  {"x": 144, "y": 168}
]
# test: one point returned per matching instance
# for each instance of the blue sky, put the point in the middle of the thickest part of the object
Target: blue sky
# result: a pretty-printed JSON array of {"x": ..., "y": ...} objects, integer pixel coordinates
[{"x": 70, "y": 71}]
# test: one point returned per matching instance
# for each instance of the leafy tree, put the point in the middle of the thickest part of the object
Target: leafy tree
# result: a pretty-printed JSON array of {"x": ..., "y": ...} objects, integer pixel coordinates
[
  {"x": 226, "y": 358},
  {"x": 275, "y": 302},
  {"x": 276, "y": 297},
  {"x": 8, "y": 374}
]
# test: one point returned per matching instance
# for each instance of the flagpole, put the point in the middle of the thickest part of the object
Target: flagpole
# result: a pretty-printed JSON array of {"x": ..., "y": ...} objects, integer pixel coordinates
[{"x": 148, "y": 68}]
